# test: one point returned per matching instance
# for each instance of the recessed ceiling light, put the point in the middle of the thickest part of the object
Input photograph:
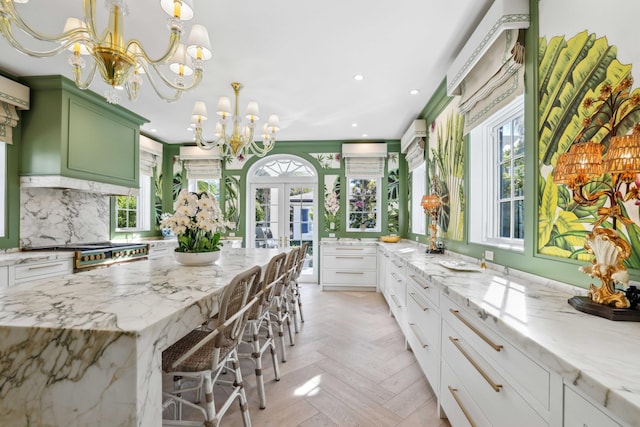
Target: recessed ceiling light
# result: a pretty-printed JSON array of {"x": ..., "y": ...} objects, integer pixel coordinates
[
  {"x": 189, "y": 129},
  {"x": 358, "y": 77},
  {"x": 364, "y": 135},
  {"x": 354, "y": 125},
  {"x": 414, "y": 91},
  {"x": 153, "y": 130}
]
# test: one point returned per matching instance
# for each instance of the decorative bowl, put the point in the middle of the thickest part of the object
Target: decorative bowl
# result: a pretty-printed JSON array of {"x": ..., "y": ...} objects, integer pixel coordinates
[{"x": 390, "y": 239}]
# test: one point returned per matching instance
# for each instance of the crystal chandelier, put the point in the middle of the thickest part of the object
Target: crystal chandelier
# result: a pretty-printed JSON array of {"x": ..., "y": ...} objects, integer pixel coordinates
[
  {"x": 240, "y": 141},
  {"x": 121, "y": 65}
]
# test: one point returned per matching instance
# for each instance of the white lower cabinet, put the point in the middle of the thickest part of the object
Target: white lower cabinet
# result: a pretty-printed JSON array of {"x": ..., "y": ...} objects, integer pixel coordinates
[
  {"x": 579, "y": 412},
  {"x": 507, "y": 386},
  {"x": 423, "y": 332},
  {"x": 28, "y": 272},
  {"x": 397, "y": 292},
  {"x": 349, "y": 267}
]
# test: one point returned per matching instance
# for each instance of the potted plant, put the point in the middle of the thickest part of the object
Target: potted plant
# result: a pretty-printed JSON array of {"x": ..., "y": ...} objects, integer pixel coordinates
[{"x": 197, "y": 221}]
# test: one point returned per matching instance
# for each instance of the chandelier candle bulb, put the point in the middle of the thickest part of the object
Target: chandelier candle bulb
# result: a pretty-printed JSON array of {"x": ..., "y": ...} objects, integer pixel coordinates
[
  {"x": 253, "y": 111},
  {"x": 224, "y": 106}
]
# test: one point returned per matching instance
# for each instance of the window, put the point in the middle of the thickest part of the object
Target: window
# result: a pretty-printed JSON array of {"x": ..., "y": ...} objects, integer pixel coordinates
[
  {"x": 418, "y": 189},
  {"x": 362, "y": 209},
  {"x": 3, "y": 186},
  {"x": 132, "y": 213},
  {"x": 211, "y": 186},
  {"x": 496, "y": 196}
]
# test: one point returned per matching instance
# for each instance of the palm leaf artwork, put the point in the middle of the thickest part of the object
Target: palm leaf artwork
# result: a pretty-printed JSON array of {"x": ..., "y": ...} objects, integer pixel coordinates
[
  {"x": 447, "y": 172},
  {"x": 571, "y": 72},
  {"x": 393, "y": 195},
  {"x": 232, "y": 201},
  {"x": 332, "y": 208},
  {"x": 157, "y": 197}
]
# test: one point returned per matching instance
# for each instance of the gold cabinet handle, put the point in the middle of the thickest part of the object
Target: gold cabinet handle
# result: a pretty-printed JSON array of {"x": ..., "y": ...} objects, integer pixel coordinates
[
  {"x": 350, "y": 249},
  {"x": 454, "y": 393},
  {"x": 481, "y": 371},
  {"x": 349, "y": 257},
  {"x": 413, "y": 297},
  {"x": 395, "y": 300},
  {"x": 417, "y": 334},
  {"x": 396, "y": 277},
  {"x": 349, "y": 272},
  {"x": 40, "y": 267},
  {"x": 419, "y": 281},
  {"x": 496, "y": 347}
]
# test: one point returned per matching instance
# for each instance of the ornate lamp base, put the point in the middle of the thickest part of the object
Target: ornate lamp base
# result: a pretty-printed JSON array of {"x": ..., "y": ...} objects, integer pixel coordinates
[
  {"x": 435, "y": 250},
  {"x": 585, "y": 305}
]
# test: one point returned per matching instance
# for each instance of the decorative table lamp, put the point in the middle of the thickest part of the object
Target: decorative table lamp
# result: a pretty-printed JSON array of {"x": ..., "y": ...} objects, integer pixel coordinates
[
  {"x": 581, "y": 169},
  {"x": 431, "y": 204}
]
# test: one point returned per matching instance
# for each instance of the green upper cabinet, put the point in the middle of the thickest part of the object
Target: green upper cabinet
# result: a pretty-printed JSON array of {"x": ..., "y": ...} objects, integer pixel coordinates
[{"x": 77, "y": 134}]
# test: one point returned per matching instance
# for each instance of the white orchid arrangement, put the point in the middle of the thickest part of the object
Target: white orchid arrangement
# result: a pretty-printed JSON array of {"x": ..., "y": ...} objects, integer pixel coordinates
[{"x": 197, "y": 221}]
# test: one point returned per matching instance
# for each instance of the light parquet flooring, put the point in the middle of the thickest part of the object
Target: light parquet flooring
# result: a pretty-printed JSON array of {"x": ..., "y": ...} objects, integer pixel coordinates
[{"x": 349, "y": 367}]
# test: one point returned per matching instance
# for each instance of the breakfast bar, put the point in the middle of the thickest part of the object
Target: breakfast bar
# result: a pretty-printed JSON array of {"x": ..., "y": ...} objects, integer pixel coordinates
[{"x": 86, "y": 348}]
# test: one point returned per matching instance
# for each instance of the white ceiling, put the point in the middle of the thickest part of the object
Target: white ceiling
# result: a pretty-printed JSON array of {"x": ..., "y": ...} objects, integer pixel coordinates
[{"x": 297, "y": 58}]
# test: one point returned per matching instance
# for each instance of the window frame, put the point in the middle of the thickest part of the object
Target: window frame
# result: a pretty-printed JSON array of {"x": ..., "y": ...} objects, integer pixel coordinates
[
  {"x": 418, "y": 189},
  {"x": 193, "y": 186},
  {"x": 484, "y": 180},
  {"x": 143, "y": 207},
  {"x": 376, "y": 210}
]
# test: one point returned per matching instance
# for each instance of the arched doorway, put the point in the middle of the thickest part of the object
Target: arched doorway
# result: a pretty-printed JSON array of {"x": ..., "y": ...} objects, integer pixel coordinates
[{"x": 281, "y": 196}]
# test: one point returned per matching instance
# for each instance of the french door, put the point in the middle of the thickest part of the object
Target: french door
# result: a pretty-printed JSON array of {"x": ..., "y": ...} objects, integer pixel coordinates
[{"x": 282, "y": 217}]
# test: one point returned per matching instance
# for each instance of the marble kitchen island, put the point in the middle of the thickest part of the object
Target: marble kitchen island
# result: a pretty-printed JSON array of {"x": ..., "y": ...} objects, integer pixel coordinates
[{"x": 85, "y": 349}]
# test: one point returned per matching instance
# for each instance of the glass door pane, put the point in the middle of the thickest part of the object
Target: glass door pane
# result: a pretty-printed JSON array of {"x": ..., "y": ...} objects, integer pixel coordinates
[
  {"x": 268, "y": 229},
  {"x": 301, "y": 214}
]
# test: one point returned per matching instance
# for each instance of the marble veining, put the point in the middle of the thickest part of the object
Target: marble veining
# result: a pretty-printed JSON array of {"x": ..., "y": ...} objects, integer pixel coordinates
[
  {"x": 50, "y": 216},
  {"x": 595, "y": 355},
  {"x": 85, "y": 348}
]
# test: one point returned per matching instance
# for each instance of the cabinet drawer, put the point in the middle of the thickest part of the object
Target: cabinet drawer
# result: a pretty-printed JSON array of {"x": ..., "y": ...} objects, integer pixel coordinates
[
  {"x": 355, "y": 262},
  {"x": 160, "y": 252},
  {"x": 423, "y": 335},
  {"x": 579, "y": 412},
  {"x": 459, "y": 406},
  {"x": 532, "y": 379},
  {"x": 349, "y": 250},
  {"x": 40, "y": 270},
  {"x": 428, "y": 289},
  {"x": 351, "y": 278},
  {"x": 492, "y": 392}
]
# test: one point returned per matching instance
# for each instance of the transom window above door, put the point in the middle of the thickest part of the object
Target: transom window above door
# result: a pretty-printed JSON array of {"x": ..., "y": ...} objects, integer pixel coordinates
[{"x": 284, "y": 167}]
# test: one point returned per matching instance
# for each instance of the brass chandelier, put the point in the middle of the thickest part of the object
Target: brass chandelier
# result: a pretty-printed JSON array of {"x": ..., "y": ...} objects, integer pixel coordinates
[
  {"x": 240, "y": 142},
  {"x": 120, "y": 64}
]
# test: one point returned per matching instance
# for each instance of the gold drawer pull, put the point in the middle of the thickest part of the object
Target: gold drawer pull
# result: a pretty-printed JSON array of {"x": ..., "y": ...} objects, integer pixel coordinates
[
  {"x": 415, "y": 332},
  {"x": 349, "y": 272},
  {"x": 481, "y": 371},
  {"x": 349, "y": 257},
  {"x": 395, "y": 300},
  {"x": 413, "y": 297},
  {"x": 350, "y": 249},
  {"x": 454, "y": 393},
  {"x": 396, "y": 277},
  {"x": 496, "y": 347},
  {"x": 39, "y": 267},
  {"x": 419, "y": 281}
]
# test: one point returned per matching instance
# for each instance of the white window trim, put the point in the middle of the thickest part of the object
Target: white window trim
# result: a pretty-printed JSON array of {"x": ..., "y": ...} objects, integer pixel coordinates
[
  {"x": 482, "y": 194},
  {"x": 378, "y": 227},
  {"x": 143, "y": 205},
  {"x": 418, "y": 189}
]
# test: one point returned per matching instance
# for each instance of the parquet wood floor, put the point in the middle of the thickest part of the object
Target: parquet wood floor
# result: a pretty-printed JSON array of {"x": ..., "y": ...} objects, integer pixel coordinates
[{"x": 349, "y": 367}]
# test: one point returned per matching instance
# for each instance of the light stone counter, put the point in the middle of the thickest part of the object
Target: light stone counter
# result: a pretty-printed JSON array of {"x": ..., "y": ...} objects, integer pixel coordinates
[
  {"x": 85, "y": 349},
  {"x": 597, "y": 356}
]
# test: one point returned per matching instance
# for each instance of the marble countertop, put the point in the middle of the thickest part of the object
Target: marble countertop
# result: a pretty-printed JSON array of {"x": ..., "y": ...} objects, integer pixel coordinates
[
  {"x": 127, "y": 297},
  {"x": 595, "y": 355}
]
